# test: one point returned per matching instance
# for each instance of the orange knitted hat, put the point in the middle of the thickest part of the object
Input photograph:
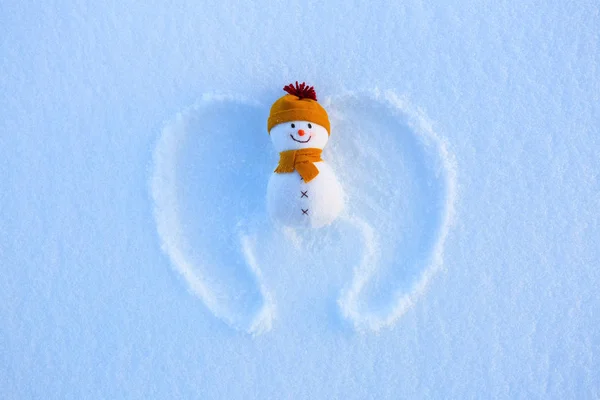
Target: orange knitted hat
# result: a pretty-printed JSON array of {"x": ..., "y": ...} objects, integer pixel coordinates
[{"x": 299, "y": 105}]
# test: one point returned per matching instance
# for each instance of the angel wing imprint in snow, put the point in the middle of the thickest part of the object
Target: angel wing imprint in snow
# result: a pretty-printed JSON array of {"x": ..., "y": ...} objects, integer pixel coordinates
[
  {"x": 207, "y": 180},
  {"x": 210, "y": 178},
  {"x": 400, "y": 180}
]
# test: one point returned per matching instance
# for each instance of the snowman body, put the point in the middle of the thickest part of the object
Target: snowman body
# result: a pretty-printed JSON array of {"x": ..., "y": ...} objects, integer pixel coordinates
[{"x": 291, "y": 201}]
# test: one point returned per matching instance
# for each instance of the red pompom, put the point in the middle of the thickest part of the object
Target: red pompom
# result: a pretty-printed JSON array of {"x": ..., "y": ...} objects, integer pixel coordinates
[{"x": 303, "y": 91}]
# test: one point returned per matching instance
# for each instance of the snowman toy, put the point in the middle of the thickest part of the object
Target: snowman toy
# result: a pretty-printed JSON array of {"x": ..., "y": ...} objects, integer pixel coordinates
[{"x": 303, "y": 191}]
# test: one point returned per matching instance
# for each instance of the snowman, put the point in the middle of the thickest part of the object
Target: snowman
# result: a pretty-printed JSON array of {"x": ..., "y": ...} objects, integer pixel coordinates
[{"x": 303, "y": 191}]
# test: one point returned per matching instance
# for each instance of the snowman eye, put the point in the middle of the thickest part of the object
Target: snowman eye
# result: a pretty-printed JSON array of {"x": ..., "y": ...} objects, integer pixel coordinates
[
  {"x": 309, "y": 126},
  {"x": 293, "y": 125}
]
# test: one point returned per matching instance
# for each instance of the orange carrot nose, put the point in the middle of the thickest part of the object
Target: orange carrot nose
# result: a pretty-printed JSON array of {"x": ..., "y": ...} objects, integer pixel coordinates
[{"x": 301, "y": 132}]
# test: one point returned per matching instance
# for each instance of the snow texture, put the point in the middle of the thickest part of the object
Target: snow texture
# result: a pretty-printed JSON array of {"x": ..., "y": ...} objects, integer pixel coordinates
[{"x": 136, "y": 256}]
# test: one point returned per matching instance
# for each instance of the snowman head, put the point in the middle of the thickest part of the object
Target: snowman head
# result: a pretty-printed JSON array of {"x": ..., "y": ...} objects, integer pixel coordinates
[
  {"x": 297, "y": 120},
  {"x": 295, "y": 135}
]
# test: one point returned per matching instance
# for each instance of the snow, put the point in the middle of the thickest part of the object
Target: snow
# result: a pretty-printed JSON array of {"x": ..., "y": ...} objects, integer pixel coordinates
[{"x": 136, "y": 257}]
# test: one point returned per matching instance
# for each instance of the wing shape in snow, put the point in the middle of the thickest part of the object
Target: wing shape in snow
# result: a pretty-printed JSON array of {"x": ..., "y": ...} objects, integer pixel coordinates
[
  {"x": 207, "y": 182},
  {"x": 400, "y": 179}
]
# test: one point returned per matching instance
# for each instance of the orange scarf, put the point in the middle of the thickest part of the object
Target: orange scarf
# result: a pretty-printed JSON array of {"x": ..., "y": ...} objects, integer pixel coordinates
[{"x": 300, "y": 160}]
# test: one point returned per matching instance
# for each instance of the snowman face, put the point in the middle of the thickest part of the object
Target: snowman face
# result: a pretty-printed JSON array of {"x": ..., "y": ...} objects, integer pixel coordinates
[{"x": 295, "y": 135}]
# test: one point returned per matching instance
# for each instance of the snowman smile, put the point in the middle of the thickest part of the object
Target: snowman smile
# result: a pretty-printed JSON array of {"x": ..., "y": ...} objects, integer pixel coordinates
[{"x": 300, "y": 141}]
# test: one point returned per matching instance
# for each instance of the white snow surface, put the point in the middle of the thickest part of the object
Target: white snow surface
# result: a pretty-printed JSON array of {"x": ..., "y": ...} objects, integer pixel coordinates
[{"x": 137, "y": 259}]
